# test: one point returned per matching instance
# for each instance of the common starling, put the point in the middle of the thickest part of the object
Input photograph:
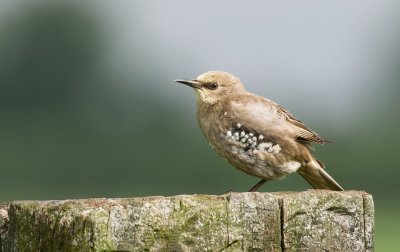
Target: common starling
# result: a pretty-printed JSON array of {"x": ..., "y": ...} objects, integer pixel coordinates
[{"x": 255, "y": 134}]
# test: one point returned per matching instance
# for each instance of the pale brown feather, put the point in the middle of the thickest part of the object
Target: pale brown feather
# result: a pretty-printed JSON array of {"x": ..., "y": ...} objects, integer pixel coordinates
[
  {"x": 317, "y": 177},
  {"x": 304, "y": 133}
]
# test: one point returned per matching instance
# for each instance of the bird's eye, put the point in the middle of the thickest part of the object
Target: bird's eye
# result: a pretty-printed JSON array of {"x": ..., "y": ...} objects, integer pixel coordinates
[{"x": 211, "y": 85}]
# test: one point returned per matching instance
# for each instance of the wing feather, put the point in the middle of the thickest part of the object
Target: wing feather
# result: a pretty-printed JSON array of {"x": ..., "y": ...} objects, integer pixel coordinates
[
  {"x": 268, "y": 113},
  {"x": 304, "y": 134}
]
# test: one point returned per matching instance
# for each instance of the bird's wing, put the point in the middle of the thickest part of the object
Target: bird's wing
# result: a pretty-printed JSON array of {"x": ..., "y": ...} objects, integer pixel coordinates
[
  {"x": 304, "y": 134},
  {"x": 273, "y": 118}
]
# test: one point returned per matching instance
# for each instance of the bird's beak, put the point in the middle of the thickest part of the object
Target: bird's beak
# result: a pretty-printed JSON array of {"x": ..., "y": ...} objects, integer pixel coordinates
[{"x": 190, "y": 83}]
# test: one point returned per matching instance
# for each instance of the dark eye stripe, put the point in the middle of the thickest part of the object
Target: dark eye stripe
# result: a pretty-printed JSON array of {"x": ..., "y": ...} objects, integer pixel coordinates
[{"x": 211, "y": 86}]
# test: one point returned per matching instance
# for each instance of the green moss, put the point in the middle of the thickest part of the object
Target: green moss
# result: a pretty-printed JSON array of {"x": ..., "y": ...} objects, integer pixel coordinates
[
  {"x": 184, "y": 231},
  {"x": 52, "y": 227}
]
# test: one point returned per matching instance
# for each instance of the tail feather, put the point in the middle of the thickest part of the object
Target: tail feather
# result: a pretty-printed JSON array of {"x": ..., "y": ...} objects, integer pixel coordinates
[{"x": 317, "y": 177}]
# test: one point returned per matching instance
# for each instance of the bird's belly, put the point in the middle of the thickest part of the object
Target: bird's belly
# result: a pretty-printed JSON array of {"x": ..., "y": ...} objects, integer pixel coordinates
[{"x": 253, "y": 155}]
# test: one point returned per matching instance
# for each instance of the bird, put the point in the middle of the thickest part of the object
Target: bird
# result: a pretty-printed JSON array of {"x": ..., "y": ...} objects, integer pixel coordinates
[{"x": 255, "y": 134}]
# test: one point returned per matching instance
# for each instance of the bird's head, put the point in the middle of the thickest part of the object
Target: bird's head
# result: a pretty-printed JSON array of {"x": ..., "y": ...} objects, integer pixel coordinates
[{"x": 214, "y": 86}]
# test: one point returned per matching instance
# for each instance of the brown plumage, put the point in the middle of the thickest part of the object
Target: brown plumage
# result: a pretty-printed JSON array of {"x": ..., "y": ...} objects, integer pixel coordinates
[{"x": 255, "y": 134}]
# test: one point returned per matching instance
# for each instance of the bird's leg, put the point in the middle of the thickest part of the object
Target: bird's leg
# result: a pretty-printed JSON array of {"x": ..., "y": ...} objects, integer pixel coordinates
[{"x": 258, "y": 185}]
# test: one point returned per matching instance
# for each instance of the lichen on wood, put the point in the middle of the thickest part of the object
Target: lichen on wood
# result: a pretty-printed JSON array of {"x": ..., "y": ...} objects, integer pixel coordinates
[{"x": 314, "y": 220}]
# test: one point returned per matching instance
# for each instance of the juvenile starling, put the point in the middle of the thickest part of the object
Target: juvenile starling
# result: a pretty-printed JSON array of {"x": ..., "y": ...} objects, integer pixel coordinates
[{"x": 255, "y": 134}]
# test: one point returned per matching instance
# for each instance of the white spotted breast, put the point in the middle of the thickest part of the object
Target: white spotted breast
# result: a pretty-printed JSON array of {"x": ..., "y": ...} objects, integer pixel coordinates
[{"x": 257, "y": 154}]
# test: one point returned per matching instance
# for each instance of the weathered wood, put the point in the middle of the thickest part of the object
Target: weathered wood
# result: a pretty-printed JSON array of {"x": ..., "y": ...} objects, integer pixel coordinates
[
  {"x": 321, "y": 220},
  {"x": 314, "y": 220}
]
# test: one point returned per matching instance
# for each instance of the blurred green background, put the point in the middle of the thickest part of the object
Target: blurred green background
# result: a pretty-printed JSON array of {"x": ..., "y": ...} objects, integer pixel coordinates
[{"x": 89, "y": 108}]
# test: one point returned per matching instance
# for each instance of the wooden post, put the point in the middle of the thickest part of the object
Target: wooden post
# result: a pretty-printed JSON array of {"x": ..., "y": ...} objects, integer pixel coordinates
[{"x": 314, "y": 220}]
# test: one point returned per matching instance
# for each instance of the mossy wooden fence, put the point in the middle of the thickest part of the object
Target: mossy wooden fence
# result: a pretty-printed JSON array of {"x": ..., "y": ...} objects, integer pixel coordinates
[{"x": 315, "y": 220}]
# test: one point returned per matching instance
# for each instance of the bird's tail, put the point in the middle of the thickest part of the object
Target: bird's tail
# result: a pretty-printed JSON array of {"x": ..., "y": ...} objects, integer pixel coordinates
[{"x": 314, "y": 173}]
